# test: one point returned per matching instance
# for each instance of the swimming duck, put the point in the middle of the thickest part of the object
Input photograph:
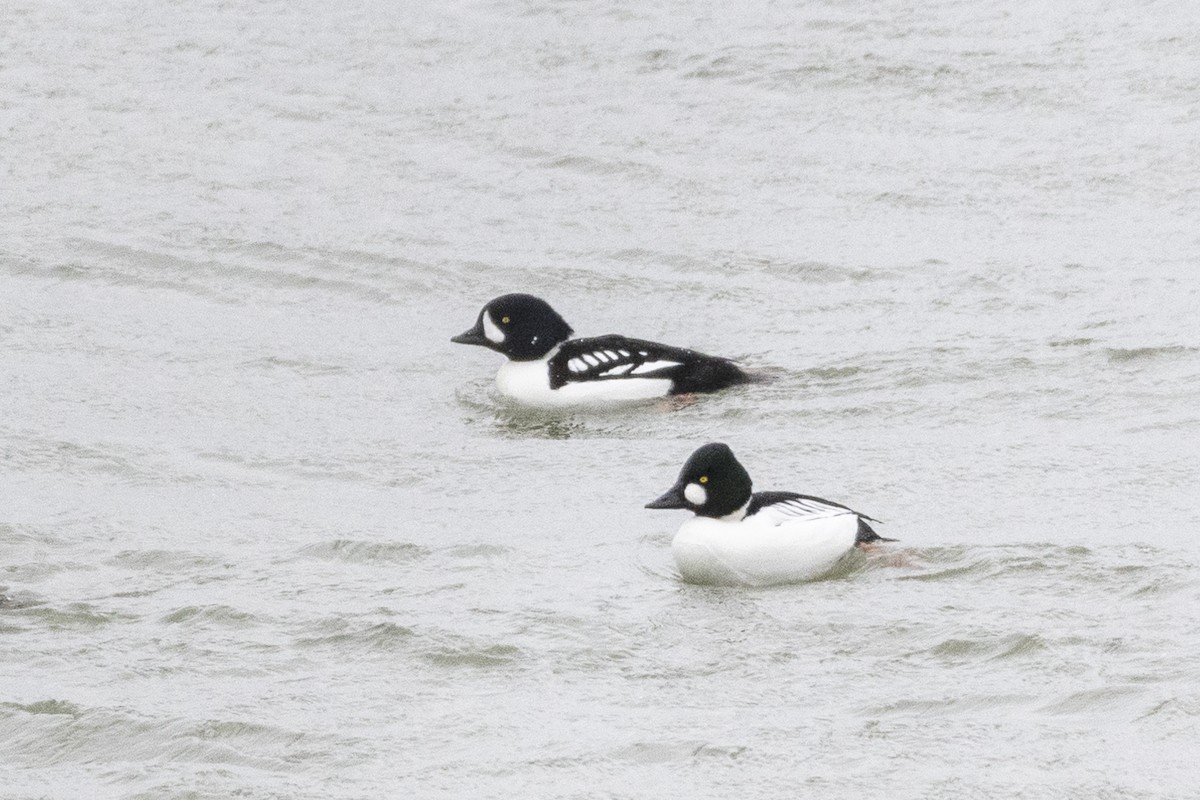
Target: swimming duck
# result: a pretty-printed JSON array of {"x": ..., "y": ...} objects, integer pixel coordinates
[
  {"x": 547, "y": 368},
  {"x": 746, "y": 538}
]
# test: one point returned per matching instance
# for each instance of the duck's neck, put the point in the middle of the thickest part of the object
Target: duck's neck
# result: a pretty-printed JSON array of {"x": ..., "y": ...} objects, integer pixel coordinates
[{"x": 738, "y": 515}]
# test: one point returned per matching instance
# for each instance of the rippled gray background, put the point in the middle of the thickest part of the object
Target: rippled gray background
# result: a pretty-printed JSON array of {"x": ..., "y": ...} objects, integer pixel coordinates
[{"x": 265, "y": 532}]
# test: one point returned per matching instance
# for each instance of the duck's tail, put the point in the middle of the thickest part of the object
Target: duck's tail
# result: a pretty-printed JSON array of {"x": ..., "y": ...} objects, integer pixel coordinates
[
  {"x": 867, "y": 534},
  {"x": 760, "y": 374}
]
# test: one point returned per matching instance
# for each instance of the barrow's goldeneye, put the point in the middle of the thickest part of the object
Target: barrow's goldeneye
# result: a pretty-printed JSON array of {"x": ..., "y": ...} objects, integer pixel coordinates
[{"x": 548, "y": 368}]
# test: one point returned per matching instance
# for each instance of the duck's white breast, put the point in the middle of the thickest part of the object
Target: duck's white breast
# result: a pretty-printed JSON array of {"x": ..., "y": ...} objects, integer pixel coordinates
[
  {"x": 529, "y": 382},
  {"x": 748, "y": 554}
]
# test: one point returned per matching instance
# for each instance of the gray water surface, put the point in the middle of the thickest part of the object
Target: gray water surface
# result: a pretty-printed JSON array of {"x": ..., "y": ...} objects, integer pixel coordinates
[{"x": 264, "y": 532}]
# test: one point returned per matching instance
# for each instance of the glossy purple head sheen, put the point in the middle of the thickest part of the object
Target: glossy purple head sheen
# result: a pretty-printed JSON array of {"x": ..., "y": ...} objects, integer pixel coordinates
[
  {"x": 520, "y": 326},
  {"x": 712, "y": 483}
]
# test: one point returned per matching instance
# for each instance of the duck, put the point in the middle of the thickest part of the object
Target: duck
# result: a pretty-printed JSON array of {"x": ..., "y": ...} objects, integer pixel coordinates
[
  {"x": 739, "y": 537},
  {"x": 547, "y": 368}
]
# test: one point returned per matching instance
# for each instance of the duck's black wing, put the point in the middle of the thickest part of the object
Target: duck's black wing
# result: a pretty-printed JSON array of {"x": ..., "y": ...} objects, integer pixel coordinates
[
  {"x": 616, "y": 357},
  {"x": 790, "y": 505}
]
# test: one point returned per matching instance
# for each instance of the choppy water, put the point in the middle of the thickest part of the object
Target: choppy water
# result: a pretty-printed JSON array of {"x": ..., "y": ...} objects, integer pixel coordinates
[{"x": 266, "y": 533}]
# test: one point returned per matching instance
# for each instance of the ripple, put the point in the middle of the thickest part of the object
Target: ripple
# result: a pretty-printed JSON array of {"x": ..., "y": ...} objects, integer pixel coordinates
[
  {"x": 10, "y": 600},
  {"x": 1183, "y": 708},
  {"x": 357, "y": 552},
  {"x": 1121, "y": 355},
  {"x": 223, "y": 280},
  {"x": 988, "y": 648},
  {"x": 47, "y": 707},
  {"x": 75, "y": 616},
  {"x": 972, "y": 703},
  {"x": 429, "y": 646},
  {"x": 947, "y": 573},
  {"x": 473, "y": 655},
  {"x": 302, "y": 468},
  {"x": 473, "y": 551},
  {"x": 273, "y": 363},
  {"x": 835, "y": 374},
  {"x": 386, "y": 636},
  {"x": 667, "y": 751},
  {"x": 223, "y": 615},
  {"x": 163, "y": 560},
  {"x": 54, "y": 733},
  {"x": 596, "y": 166},
  {"x": 1103, "y": 698},
  {"x": 35, "y": 452},
  {"x": 1077, "y": 342}
]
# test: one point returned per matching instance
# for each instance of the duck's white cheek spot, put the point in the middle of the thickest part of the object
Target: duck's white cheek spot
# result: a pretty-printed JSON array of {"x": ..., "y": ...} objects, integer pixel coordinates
[
  {"x": 491, "y": 330},
  {"x": 695, "y": 494}
]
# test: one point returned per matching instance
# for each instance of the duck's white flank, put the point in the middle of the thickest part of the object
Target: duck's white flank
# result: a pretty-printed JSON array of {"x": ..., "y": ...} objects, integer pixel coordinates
[
  {"x": 759, "y": 553},
  {"x": 529, "y": 382}
]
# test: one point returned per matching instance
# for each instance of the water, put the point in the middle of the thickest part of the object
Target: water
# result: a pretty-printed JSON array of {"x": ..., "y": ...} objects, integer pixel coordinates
[{"x": 264, "y": 531}]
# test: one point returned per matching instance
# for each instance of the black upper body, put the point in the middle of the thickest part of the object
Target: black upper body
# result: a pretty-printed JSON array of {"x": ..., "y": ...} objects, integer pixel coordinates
[
  {"x": 713, "y": 483},
  {"x": 616, "y": 357},
  {"x": 526, "y": 328}
]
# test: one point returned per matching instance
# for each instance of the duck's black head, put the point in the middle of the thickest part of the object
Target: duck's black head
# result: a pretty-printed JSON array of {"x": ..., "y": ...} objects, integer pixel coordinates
[
  {"x": 712, "y": 483},
  {"x": 520, "y": 326}
]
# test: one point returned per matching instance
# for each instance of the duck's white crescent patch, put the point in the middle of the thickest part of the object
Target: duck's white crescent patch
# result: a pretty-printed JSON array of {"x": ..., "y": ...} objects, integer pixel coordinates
[
  {"x": 621, "y": 369},
  {"x": 591, "y": 359},
  {"x": 650, "y": 366},
  {"x": 491, "y": 330},
  {"x": 695, "y": 494},
  {"x": 575, "y": 365}
]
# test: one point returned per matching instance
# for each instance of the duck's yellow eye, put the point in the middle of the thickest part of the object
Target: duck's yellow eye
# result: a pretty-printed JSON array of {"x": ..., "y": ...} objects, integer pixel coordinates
[
  {"x": 504, "y": 320},
  {"x": 704, "y": 479}
]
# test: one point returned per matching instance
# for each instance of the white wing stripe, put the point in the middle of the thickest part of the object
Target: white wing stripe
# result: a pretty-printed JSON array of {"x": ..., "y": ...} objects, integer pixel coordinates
[{"x": 651, "y": 366}]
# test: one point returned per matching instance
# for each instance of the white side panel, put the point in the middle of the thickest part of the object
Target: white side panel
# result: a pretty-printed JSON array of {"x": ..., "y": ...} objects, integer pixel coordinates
[
  {"x": 528, "y": 382},
  {"x": 747, "y": 554}
]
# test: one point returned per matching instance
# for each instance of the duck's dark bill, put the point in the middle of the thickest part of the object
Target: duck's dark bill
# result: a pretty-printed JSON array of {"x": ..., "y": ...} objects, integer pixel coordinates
[
  {"x": 672, "y": 499},
  {"x": 473, "y": 336}
]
